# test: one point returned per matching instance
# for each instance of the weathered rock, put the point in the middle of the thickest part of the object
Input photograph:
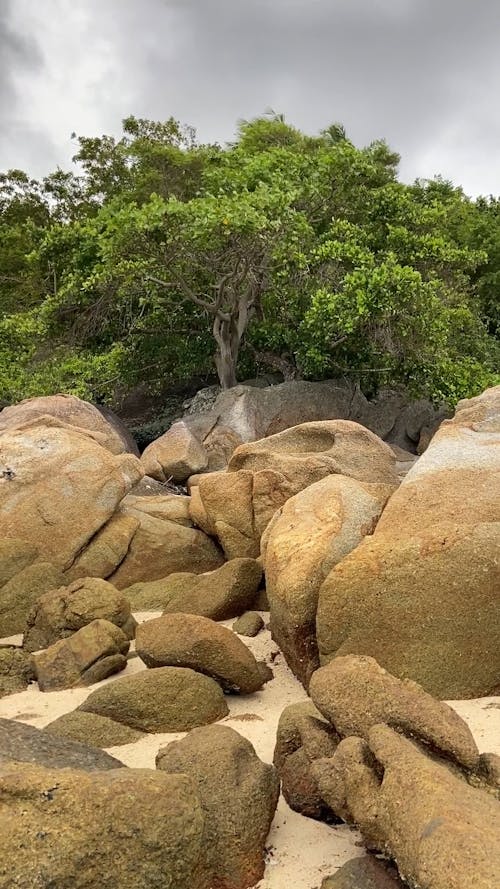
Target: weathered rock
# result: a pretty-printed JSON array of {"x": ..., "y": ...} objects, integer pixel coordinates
[
  {"x": 59, "y": 488},
  {"x": 164, "y": 543},
  {"x": 421, "y": 595},
  {"x": 238, "y": 794},
  {"x": 304, "y": 540},
  {"x": 96, "y": 651},
  {"x": 90, "y": 728},
  {"x": 187, "y": 640},
  {"x": 132, "y": 828},
  {"x": 16, "y": 670},
  {"x": 101, "y": 423},
  {"x": 22, "y": 587},
  {"x": 60, "y": 613},
  {"x": 175, "y": 455},
  {"x": 169, "y": 699},
  {"x": 249, "y": 624},
  {"x": 220, "y": 594},
  {"x": 106, "y": 550},
  {"x": 355, "y": 694},
  {"x": 364, "y": 873},
  {"x": 238, "y": 505},
  {"x": 25, "y": 743},
  {"x": 303, "y": 735},
  {"x": 441, "y": 832}
]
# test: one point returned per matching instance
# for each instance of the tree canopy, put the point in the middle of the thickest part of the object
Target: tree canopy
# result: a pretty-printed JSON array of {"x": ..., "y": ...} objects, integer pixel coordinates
[{"x": 160, "y": 258}]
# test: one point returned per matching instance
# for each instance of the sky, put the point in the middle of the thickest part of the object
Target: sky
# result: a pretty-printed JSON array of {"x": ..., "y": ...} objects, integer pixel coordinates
[{"x": 423, "y": 74}]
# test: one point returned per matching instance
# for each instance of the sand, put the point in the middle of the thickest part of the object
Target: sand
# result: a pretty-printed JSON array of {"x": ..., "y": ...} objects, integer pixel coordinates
[{"x": 300, "y": 851}]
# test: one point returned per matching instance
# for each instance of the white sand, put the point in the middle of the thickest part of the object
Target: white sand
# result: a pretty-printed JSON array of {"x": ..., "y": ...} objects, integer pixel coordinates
[{"x": 300, "y": 851}]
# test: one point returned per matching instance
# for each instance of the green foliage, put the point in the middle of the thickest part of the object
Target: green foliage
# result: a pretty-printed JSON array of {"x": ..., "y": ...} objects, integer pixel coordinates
[{"x": 281, "y": 246}]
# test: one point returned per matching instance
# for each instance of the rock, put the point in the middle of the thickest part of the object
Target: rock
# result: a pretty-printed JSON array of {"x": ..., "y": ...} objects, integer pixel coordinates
[
  {"x": 60, "y": 613},
  {"x": 101, "y": 423},
  {"x": 164, "y": 543},
  {"x": 59, "y": 488},
  {"x": 16, "y": 670},
  {"x": 303, "y": 735},
  {"x": 238, "y": 505},
  {"x": 249, "y": 624},
  {"x": 106, "y": 550},
  {"x": 170, "y": 699},
  {"x": 23, "y": 578},
  {"x": 93, "y": 653},
  {"x": 171, "y": 507},
  {"x": 238, "y": 794},
  {"x": 441, "y": 832},
  {"x": 175, "y": 455},
  {"x": 187, "y": 640},
  {"x": 90, "y": 728},
  {"x": 25, "y": 743},
  {"x": 220, "y": 594},
  {"x": 364, "y": 873},
  {"x": 304, "y": 540},
  {"x": 489, "y": 769},
  {"x": 355, "y": 694},
  {"x": 130, "y": 828},
  {"x": 439, "y": 531}
]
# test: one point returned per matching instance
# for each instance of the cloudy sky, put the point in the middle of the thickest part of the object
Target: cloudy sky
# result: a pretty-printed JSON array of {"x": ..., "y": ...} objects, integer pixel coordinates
[{"x": 424, "y": 74}]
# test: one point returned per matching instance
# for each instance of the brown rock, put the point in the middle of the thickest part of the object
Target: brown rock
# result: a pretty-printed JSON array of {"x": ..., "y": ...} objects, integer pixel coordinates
[
  {"x": 220, "y": 594},
  {"x": 249, "y": 624},
  {"x": 25, "y": 743},
  {"x": 60, "y": 489},
  {"x": 170, "y": 699},
  {"x": 90, "y": 728},
  {"x": 96, "y": 651},
  {"x": 132, "y": 828},
  {"x": 364, "y": 873},
  {"x": 74, "y": 412},
  {"x": 238, "y": 794},
  {"x": 303, "y": 736},
  {"x": 163, "y": 545},
  {"x": 175, "y": 455},
  {"x": 304, "y": 540},
  {"x": 187, "y": 640},
  {"x": 60, "y": 613},
  {"x": 16, "y": 670},
  {"x": 23, "y": 585},
  {"x": 441, "y": 832},
  {"x": 355, "y": 694},
  {"x": 440, "y": 532}
]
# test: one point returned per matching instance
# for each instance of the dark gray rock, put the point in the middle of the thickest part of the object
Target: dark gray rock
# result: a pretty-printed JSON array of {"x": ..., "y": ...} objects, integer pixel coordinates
[{"x": 25, "y": 743}]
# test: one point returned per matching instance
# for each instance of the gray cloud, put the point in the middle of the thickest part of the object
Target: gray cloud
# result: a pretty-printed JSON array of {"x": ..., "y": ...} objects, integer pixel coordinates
[{"x": 422, "y": 74}]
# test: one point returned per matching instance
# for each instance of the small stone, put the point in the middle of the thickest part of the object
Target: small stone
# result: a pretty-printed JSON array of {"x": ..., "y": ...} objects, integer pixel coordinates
[{"x": 249, "y": 624}]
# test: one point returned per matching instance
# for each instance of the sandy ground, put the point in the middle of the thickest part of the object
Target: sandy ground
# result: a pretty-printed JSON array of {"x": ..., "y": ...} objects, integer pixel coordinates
[{"x": 300, "y": 851}]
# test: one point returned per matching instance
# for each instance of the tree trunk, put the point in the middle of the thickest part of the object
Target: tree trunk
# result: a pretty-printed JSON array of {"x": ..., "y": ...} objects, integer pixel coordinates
[{"x": 228, "y": 346}]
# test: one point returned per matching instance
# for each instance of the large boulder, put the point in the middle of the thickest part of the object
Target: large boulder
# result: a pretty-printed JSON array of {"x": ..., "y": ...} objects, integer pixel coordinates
[
  {"x": 165, "y": 542},
  {"x": 90, "y": 728},
  {"x": 237, "y": 505},
  {"x": 169, "y": 699},
  {"x": 304, "y": 540},
  {"x": 421, "y": 594},
  {"x": 24, "y": 576},
  {"x": 93, "y": 653},
  {"x": 176, "y": 455},
  {"x": 104, "y": 426},
  {"x": 238, "y": 794},
  {"x": 354, "y": 693},
  {"x": 59, "y": 488},
  {"x": 60, "y": 613},
  {"x": 220, "y": 594},
  {"x": 129, "y": 828},
  {"x": 26, "y": 743},
  {"x": 201, "y": 644},
  {"x": 441, "y": 831}
]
